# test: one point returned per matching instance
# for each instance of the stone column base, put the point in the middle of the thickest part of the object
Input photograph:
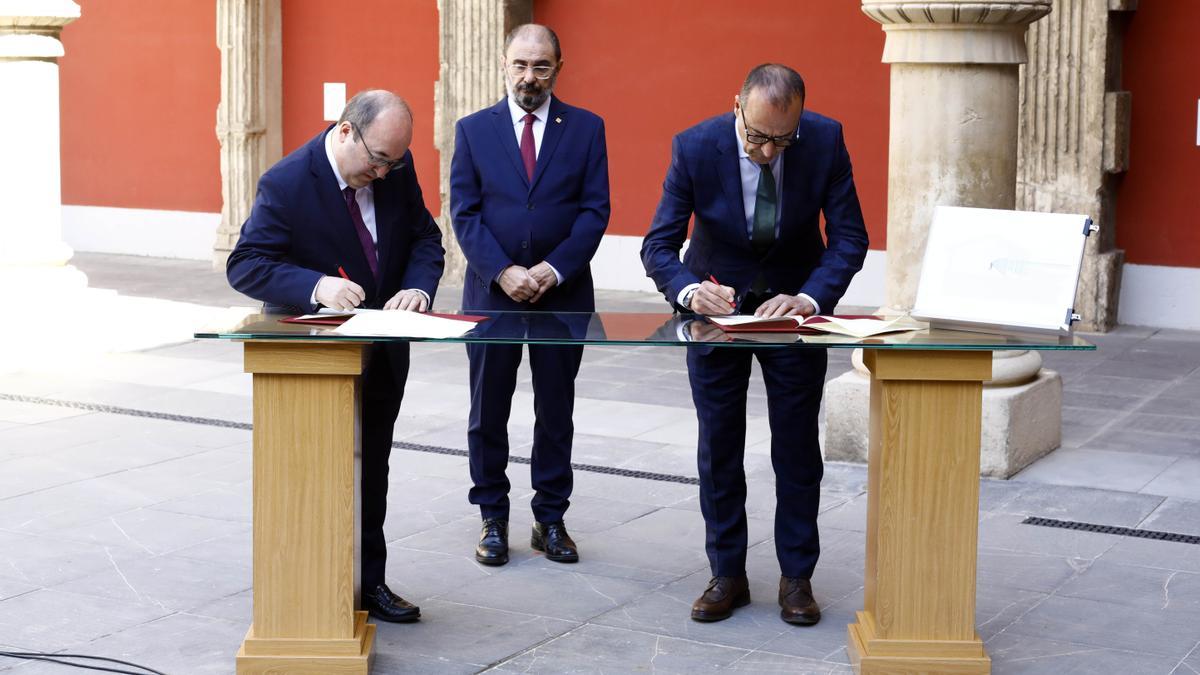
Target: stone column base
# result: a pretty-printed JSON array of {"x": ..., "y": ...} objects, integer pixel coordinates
[{"x": 1020, "y": 423}]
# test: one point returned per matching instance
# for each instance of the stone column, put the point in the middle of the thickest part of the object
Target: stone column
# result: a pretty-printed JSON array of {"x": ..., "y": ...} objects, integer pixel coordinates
[
  {"x": 249, "y": 116},
  {"x": 32, "y": 251},
  {"x": 953, "y": 141},
  {"x": 470, "y": 46},
  {"x": 1074, "y": 136}
]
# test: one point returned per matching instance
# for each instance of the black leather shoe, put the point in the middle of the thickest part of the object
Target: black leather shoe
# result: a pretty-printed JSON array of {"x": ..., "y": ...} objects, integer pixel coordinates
[
  {"x": 796, "y": 602},
  {"x": 492, "y": 548},
  {"x": 553, "y": 540},
  {"x": 381, "y": 603},
  {"x": 723, "y": 595}
]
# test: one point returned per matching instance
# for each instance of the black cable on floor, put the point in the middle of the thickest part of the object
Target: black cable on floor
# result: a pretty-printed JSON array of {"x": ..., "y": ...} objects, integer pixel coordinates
[{"x": 56, "y": 658}]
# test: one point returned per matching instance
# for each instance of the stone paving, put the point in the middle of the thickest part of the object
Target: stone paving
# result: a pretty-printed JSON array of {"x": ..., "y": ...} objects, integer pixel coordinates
[{"x": 125, "y": 517}]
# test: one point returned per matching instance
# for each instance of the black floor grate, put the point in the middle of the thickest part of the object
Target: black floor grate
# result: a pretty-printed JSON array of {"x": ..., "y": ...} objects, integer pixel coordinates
[
  {"x": 416, "y": 447},
  {"x": 1111, "y": 529}
]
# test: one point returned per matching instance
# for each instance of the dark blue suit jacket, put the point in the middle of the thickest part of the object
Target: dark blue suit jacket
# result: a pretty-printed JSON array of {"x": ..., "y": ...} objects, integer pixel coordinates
[
  {"x": 300, "y": 230},
  {"x": 502, "y": 219},
  {"x": 704, "y": 179}
]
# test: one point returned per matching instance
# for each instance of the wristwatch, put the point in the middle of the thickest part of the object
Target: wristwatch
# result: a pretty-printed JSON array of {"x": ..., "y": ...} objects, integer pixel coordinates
[{"x": 687, "y": 299}]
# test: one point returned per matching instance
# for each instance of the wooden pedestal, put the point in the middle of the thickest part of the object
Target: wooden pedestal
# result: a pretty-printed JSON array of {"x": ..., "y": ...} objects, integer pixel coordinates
[
  {"x": 922, "y": 514},
  {"x": 306, "y": 484}
]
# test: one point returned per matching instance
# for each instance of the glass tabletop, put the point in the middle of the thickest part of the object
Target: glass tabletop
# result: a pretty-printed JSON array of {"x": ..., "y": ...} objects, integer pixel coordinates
[{"x": 642, "y": 329}]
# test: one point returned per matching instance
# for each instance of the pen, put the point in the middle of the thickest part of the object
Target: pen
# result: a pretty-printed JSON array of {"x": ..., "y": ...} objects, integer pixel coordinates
[
  {"x": 714, "y": 280},
  {"x": 343, "y": 273}
]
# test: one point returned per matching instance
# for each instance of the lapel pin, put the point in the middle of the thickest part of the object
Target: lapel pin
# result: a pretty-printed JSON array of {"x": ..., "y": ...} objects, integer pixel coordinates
[{"x": 558, "y": 120}]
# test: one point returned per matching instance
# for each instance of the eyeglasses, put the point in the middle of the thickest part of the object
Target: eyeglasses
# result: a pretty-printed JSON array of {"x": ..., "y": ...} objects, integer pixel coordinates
[
  {"x": 374, "y": 159},
  {"x": 540, "y": 72},
  {"x": 762, "y": 139}
]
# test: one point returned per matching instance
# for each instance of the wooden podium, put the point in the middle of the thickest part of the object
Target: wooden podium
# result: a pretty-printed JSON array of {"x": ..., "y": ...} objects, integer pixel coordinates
[
  {"x": 306, "y": 494},
  {"x": 922, "y": 514}
]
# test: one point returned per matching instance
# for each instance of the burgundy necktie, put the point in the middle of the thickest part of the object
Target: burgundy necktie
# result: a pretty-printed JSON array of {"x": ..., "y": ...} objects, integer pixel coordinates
[
  {"x": 528, "y": 152},
  {"x": 364, "y": 236}
]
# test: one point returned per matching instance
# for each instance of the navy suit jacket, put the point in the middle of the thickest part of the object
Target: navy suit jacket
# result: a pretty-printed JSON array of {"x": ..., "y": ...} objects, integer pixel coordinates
[
  {"x": 704, "y": 179},
  {"x": 300, "y": 230},
  {"x": 502, "y": 218}
]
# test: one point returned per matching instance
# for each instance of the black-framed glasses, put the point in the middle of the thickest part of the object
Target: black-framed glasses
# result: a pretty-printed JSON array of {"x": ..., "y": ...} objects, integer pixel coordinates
[
  {"x": 762, "y": 139},
  {"x": 374, "y": 159},
  {"x": 540, "y": 72}
]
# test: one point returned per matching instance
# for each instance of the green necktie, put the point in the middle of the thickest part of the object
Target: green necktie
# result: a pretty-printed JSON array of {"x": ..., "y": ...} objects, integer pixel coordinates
[{"x": 763, "y": 234}]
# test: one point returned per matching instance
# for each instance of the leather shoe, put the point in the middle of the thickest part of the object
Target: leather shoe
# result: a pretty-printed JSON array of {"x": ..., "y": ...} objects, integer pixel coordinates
[
  {"x": 492, "y": 548},
  {"x": 553, "y": 540},
  {"x": 723, "y": 595},
  {"x": 381, "y": 603},
  {"x": 797, "y": 603}
]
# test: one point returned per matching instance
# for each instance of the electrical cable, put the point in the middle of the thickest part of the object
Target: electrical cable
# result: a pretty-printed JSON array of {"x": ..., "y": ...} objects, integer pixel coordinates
[{"x": 55, "y": 658}]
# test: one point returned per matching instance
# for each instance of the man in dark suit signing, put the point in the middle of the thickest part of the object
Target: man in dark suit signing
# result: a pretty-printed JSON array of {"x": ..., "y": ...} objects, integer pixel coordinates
[
  {"x": 347, "y": 204},
  {"x": 757, "y": 181},
  {"x": 529, "y": 202}
]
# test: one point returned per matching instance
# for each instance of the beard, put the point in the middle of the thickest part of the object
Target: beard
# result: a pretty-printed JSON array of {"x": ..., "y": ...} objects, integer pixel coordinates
[{"x": 531, "y": 96}]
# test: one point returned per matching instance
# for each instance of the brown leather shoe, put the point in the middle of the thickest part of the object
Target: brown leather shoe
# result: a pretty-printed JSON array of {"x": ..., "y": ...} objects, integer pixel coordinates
[
  {"x": 797, "y": 603},
  {"x": 723, "y": 595}
]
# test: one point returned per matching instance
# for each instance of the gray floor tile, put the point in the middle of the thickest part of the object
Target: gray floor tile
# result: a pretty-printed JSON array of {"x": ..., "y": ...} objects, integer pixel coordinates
[
  {"x": 1122, "y": 386},
  {"x": 237, "y": 609},
  {"x": 1103, "y": 469},
  {"x": 1164, "y": 424},
  {"x": 1011, "y": 653},
  {"x": 153, "y": 532},
  {"x": 1006, "y": 532},
  {"x": 1165, "y": 632},
  {"x": 1146, "y": 442},
  {"x": 559, "y": 593},
  {"x": 12, "y": 587},
  {"x": 224, "y": 503},
  {"x": 1098, "y": 401},
  {"x": 1183, "y": 480},
  {"x": 235, "y": 549},
  {"x": 46, "y": 561},
  {"x": 1175, "y": 515},
  {"x": 996, "y": 607},
  {"x": 1146, "y": 588},
  {"x": 1167, "y": 555},
  {"x": 165, "y": 582},
  {"x": 1026, "y": 571},
  {"x": 48, "y": 620},
  {"x": 1169, "y": 405},
  {"x": 1083, "y": 504},
  {"x": 179, "y": 643},
  {"x": 603, "y": 649}
]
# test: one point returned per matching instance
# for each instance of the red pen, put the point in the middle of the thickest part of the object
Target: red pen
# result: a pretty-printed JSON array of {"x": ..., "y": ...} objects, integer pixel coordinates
[
  {"x": 343, "y": 273},
  {"x": 714, "y": 280}
]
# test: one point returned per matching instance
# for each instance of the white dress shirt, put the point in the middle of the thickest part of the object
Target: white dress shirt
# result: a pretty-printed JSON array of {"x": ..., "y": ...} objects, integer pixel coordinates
[
  {"x": 365, "y": 196},
  {"x": 750, "y": 173},
  {"x": 539, "y": 129}
]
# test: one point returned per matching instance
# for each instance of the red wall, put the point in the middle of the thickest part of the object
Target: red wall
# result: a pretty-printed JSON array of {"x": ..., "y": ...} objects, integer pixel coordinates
[
  {"x": 366, "y": 44},
  {"x": 1157, "y": 204},
  {"x": 139, "y": 93},
  {"x": 652, "y": 69}
]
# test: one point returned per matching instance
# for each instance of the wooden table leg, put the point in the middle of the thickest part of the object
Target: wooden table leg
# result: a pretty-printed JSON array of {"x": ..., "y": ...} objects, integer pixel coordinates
[
  {"x": 922, "y": 514},
  {"x": 306, "y": 493}
]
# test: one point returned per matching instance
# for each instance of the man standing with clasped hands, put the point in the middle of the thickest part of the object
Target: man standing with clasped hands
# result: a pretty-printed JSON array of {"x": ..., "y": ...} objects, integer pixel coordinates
[
  {"x": 757, "y": 180},
  {"x": 529, "y": 202}
]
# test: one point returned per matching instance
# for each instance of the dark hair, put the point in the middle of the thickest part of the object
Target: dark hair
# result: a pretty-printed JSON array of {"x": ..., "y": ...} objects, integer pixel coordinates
[
  {"x": 365, "y": 106},
  {"x": 545, "y": 30},
  {"x": 777, "y": 82}
]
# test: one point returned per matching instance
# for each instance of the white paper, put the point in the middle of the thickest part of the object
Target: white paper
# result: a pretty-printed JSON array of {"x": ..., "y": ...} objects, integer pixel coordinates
[{"x": 400, "y": 323}]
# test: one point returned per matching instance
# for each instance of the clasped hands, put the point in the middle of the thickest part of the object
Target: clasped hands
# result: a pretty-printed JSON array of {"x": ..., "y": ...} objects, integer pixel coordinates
[
  {"x": 344, "y": 295},
  {"x": 527, "y": 284}
]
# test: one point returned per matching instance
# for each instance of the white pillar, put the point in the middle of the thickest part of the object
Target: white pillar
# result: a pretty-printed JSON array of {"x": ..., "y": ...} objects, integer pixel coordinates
[
  {"x": 32, "y": 251},
  {"x": 955, "y": 100}
]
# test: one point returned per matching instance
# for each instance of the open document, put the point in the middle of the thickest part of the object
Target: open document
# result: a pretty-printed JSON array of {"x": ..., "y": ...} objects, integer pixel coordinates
[
  {"x": 853, "y": 326},
  {"x": 399, "y": 323}
]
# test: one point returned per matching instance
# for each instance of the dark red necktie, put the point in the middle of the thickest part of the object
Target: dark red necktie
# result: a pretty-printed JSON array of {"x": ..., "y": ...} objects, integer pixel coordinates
[
  {"x": 528, "y": 151},
  {"x": 364, "y": 236}
]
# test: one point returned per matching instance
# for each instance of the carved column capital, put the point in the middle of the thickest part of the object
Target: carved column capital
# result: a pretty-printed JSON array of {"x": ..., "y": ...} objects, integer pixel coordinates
[
  {"x": 955, "y": 31},
  {"x": 29, "y": 29}
]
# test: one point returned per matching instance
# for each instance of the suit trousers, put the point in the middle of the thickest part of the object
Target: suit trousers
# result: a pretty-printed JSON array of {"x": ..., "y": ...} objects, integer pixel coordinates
[
  {"x": 794, "y": 379},
  {"x": 382, "y": 388},
  {"x": 493, "y": 371}
]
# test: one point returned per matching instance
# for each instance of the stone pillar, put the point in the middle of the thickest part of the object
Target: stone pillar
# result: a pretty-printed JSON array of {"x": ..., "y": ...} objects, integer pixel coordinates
[
  {"x": 249, "y": 116},
  {"x": 470, "y": 46},
  {"x": 1074, "y": 136},
  {"x": 953, "y": 141},
  {"x": 32, "y": 251}
]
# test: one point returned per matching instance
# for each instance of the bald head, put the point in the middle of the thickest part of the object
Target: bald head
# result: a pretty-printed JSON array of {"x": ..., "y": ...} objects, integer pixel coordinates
[
  {"x": 372, "y": 136},
  {"x": 367, "y": 105},
  {"x": 534, "y": 32}
]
